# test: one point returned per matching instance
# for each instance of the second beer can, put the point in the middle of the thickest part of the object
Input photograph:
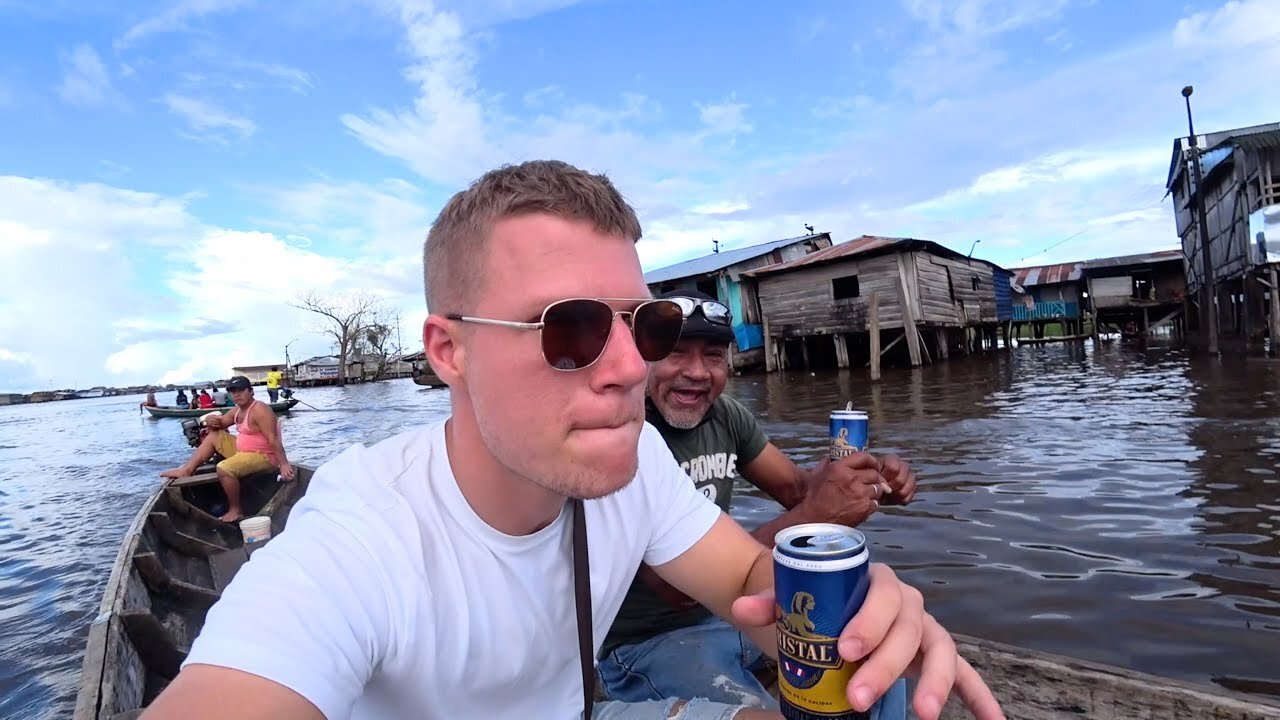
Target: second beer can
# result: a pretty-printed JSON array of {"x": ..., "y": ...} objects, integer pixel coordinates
[
  {"x": 848, "y": 432},
  {"x": 820, "y": 579}
]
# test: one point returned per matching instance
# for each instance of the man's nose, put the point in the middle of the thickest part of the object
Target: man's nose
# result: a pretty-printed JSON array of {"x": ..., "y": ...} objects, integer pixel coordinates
[{"x": 620, "y": 363}]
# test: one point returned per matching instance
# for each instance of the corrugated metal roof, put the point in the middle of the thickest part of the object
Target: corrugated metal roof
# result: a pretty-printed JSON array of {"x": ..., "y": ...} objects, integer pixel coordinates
[
  {"x": 863, "y": 245},
  {"x": 1252, "y": 138},
  {"x": 1048, "y": 274},
  {"x": 721, "y": 260},
  {"x": 1140, "y": 259}
]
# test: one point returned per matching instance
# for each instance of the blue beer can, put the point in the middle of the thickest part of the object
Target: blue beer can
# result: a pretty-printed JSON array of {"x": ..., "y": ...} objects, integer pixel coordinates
[
  {"x": 820, "y": 579},
  {"x": 848, "y": 432}
]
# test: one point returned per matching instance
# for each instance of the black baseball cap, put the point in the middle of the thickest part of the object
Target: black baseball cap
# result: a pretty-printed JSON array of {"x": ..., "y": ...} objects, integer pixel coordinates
[
  {"x": 239, "y": 382},
  {"x": 696, "y": 324}
]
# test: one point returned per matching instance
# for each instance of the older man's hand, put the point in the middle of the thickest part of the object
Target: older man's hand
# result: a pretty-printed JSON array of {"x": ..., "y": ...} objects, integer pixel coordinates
[
  {"x": 900, "y": 478},
  {"x": 845, "y": 491}
]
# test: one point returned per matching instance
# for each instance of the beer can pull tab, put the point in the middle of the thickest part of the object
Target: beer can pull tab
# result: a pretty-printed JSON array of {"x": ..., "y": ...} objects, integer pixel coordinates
[{"x": 848, "y": 405}]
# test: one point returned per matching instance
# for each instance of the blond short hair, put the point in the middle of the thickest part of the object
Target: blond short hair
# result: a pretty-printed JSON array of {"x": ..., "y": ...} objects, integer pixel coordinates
[{"x": 453, "y": 255}]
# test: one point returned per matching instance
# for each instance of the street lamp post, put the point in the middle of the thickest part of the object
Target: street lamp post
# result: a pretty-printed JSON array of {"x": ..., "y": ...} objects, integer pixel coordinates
[
  {"x": 286, "y": 361},
  {"x": 1206, "y": 264}
]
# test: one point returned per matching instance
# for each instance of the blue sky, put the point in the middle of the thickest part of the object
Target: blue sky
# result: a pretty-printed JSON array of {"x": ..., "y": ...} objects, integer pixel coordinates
[{"x": 174, "y": 174}]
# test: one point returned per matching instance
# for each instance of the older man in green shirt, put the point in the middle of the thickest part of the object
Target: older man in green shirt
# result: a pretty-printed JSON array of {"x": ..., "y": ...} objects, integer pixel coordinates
[{"x": 663, "y": 644}]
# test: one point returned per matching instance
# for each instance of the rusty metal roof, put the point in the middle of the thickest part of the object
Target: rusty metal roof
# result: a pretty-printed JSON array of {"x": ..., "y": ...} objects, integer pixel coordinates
[
  {"x": 866, "y": 244},
  {"x": 1048, "y": 274},
  {"x": 1158, "y": 256}
]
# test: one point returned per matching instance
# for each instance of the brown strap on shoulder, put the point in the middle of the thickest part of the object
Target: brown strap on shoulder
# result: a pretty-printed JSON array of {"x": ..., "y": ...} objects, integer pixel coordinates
[{"x": 582, "y": 603}]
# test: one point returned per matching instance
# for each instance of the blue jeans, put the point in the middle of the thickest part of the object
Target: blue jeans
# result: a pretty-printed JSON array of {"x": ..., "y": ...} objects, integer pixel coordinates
[{"x": 711, "y": 660}]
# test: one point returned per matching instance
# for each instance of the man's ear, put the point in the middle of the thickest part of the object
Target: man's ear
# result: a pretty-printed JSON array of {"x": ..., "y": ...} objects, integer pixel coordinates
[{"x": 444, "y": 352}]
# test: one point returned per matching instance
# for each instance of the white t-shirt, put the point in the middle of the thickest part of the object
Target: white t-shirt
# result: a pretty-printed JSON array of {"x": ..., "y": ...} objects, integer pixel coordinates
[{"x": 388, "y": 597}]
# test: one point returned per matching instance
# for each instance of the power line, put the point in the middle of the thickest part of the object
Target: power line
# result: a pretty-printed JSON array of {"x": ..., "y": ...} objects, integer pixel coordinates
[{"x": 1081, "y": 232}]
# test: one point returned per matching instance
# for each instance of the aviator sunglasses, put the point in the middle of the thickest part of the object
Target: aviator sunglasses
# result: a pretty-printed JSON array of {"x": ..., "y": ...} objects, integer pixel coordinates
[
  {"x": 574, "y": 332},
  {"x": 713, "y": 311}
]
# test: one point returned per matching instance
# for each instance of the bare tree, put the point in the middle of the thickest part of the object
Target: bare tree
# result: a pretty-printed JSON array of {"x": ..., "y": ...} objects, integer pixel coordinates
[
  {"x": 345, "y": 319},
  {"x": 378, "y": 344}
]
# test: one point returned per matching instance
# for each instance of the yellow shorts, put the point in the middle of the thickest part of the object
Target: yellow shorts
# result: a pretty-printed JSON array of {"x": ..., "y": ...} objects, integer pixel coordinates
[{"x": 239, "y": 464}]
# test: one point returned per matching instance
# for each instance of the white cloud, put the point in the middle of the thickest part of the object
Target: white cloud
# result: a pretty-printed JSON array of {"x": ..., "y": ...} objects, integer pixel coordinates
[
  {"x": 388, "y": 217},
  {"x": 982, "y": 17},
  {"x": 725, "y": 118},
  {"x": 176, "y": 17},
  {"x": 7, "y": 355},
  {"x": 293, "y": 78},
  {"x": 723, "y": 207},
  {"x": 132, "y": 304},
  {"x": 1234, "y": 24},
  {"x": 208, "y": 121},
  {"x": 455, "y": 130},
  {"x": 85, "y": 80}
]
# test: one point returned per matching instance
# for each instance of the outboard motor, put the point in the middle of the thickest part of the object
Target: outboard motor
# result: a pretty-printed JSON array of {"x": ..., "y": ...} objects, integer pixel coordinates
[{"x": 194, "y": 430}]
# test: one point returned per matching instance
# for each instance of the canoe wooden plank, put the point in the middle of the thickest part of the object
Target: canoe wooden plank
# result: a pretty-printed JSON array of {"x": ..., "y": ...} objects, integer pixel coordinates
[
  {"x": 186, "y": 509},
  {"x": 159, "y": 579},
  {"x": 225, "y": 565},
  {"x": 285, "y": 493},
  {"x": 193, "y": 480},
  {"x": 1031, "y": 685},
  {"x": 180, "y": 541},
  {"x": 154, "y": 643},
  {"x": 124, "y": 682}
]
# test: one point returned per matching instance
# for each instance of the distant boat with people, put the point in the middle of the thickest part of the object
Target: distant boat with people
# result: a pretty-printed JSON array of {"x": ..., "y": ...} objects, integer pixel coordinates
[{"x": 173, "y": 411}]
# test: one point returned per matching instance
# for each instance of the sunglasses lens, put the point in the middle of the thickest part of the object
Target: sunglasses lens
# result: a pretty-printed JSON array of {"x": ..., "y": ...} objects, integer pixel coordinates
[
  {"x": 715, "y": 312},
  {"x": 657, "y": 328},
  {"x": 575, "y": 333}
]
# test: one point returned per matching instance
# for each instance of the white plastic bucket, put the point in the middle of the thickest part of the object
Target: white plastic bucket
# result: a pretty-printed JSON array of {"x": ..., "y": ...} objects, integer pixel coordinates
[{"x": 256, "y": 529}]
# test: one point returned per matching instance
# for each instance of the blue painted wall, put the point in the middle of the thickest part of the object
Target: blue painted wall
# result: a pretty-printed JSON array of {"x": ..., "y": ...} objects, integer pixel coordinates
[{"x": 1004, "y": 294}]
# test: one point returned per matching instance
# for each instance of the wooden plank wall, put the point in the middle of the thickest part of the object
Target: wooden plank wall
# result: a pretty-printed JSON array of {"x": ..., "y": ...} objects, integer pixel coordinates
[
  {"x": 935, "y": 297},
  {"x": 801, "y": 302}
]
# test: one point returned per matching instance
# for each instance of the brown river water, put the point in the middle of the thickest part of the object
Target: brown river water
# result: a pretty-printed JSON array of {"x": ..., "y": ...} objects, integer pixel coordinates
[{"x": 1118, "y": 504}]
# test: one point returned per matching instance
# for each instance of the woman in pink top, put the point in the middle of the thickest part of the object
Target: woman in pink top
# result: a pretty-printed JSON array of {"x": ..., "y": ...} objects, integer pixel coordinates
[{"x": 258, "y": 446}]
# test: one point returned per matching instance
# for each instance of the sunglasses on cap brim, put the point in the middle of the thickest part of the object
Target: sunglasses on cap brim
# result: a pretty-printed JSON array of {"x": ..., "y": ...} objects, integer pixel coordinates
[
  {"x": 713, "y": 311},
  {"x": 575, "y": 331}
]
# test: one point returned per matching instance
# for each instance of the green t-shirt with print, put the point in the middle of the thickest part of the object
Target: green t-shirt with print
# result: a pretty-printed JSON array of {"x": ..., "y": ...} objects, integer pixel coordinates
[{"x": 710, "y": 453}]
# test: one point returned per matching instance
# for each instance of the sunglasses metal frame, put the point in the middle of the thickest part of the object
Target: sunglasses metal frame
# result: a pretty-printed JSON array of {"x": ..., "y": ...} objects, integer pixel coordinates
[{"x": 630, "y": 320}]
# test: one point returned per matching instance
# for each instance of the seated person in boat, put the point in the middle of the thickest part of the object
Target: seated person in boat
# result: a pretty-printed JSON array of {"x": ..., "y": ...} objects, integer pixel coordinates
[
  {"x": 220, "y": 398},
  {"x": 663, "y": 644},
  {"x": 257, "y": 446},
  {"x": 149, "y": 402},
  {"x": 181, "y": 399},
  {"x": 431, "y": 575},
  {"x": 206, "y": 400}
]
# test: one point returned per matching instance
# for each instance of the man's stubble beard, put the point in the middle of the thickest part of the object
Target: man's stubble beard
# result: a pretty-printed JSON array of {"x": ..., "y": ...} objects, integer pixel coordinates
[{"x": 575, "y": 480}]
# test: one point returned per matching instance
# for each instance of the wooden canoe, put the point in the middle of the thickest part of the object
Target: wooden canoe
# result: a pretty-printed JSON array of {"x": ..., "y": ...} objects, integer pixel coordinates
[
  {"x": 429, "y": 379},
  {"x": 172, "y": 565},
  {"x": 1032, "y": 685},
  {"x": 172, "y": 411}
]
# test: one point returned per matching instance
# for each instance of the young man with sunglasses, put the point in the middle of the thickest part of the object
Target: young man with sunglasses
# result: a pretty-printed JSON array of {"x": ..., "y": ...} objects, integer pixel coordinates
[
  {"x": 432, "y": 575},
  {"x": 663, "y": 644}
]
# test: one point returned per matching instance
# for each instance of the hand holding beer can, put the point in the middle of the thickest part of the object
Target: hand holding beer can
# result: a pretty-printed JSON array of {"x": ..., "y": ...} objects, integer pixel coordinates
[
  {"x": 848, "y": 432},
  {"x": 820, "y": 577}
]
